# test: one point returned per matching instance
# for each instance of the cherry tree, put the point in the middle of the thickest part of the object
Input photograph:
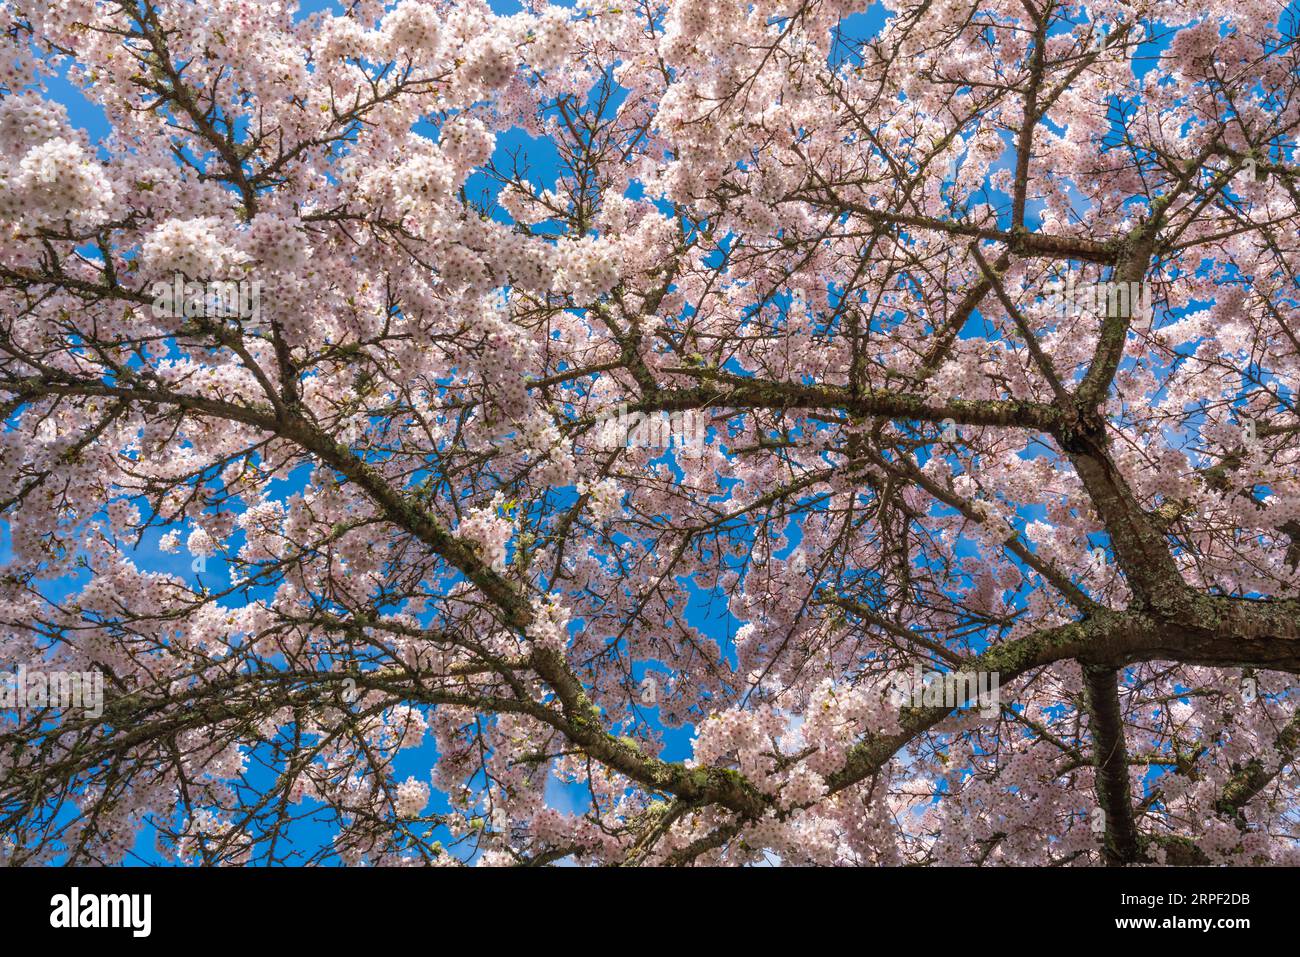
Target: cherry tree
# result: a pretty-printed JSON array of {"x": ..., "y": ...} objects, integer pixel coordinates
[{"x": 378, "y": 522}]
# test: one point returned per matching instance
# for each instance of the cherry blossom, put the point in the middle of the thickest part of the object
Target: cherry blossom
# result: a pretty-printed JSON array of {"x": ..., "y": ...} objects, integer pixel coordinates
[{"x": 366, "y": 556}]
